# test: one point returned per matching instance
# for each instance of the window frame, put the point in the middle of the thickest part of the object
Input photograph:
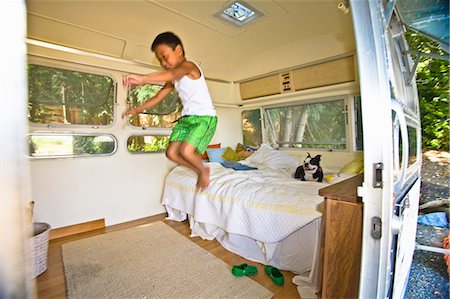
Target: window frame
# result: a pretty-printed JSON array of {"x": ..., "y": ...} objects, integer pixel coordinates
[
  {"x": 354, "y": 123},
  {"x": 347, "y": 118},
  {"x": 71, "y": 134},
  {"x": 69, "y": 66}
]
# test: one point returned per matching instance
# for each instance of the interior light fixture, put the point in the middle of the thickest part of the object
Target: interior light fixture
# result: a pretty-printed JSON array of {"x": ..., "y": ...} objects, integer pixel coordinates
[{"x": 238, "y": 13}]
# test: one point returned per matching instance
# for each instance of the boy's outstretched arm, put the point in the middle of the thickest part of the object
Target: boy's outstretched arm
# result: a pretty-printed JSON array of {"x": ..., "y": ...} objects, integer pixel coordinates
[
  {"x": 153, "y": 101},
  {"x": 167, "y": 75}
]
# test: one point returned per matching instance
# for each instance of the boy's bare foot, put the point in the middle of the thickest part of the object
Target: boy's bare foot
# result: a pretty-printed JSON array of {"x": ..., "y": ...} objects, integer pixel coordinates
[{"x": 203, "y": 179}]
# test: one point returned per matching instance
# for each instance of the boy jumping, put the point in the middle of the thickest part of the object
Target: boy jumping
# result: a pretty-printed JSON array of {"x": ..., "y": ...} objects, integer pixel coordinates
[{"x": 195, "y": 129}]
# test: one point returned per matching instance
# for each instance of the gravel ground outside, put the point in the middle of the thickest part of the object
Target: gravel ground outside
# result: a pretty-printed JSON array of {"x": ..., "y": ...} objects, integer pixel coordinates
[{"x": 429, "y": 278}]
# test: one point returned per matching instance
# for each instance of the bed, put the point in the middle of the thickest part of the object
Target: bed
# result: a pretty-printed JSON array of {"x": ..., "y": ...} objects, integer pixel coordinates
[{"x": 263, "y": 215}]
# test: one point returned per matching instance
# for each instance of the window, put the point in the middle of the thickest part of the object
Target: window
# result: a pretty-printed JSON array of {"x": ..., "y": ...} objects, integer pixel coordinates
[
  {"x": 397, "y": 146},
  {"x": 358, "y": 129},
  {"x": 70, "y": 145},
  {"x": 147, "y": 144},
  {"x": 412, "y": 144},
  {"x": 238, "y": 13},
  {"x": 317, "y": 125},
  {"x": 401, "y": 69},
  {"x": 59, "y": 96},
  {"x": 251, "y": 127},
  {"x": 405, "y": 138},
  {"x": 427, "y": 17},
  {"x": 162, "y": 115}
]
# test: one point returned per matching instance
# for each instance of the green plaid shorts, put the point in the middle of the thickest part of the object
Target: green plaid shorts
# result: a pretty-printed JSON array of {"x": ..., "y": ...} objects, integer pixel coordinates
[{"x": 197, "y": 130}]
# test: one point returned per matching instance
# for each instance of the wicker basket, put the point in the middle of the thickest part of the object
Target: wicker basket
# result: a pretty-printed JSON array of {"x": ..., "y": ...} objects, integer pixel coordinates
[{"x": 39, "y": 248}]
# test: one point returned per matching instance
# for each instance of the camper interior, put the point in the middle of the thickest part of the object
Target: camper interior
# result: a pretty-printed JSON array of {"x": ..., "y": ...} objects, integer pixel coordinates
[
  {"x": 310, "y": 43},
  {"x": 288, "y": 79}
]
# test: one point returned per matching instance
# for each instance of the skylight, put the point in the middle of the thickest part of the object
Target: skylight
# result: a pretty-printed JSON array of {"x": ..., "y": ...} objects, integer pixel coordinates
[{"x": 238, "y": 13}]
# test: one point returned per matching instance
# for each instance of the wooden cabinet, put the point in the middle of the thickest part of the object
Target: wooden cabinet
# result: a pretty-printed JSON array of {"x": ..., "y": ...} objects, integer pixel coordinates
[{"x": 341, "y": 239}]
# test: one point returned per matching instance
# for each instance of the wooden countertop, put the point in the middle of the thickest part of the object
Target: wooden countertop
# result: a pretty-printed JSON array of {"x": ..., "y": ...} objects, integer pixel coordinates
[{"x": 345, "y": 190}]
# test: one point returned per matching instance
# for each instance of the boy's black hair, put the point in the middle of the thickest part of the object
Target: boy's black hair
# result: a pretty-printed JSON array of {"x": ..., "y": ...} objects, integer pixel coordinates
[{"x": 167, "y": 38}]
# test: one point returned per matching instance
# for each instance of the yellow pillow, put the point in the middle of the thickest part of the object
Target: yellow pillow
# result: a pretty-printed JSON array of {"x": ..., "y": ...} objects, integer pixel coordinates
[
  {"x": 230, "y": 155},
  {"x": 353, "y": 166}
]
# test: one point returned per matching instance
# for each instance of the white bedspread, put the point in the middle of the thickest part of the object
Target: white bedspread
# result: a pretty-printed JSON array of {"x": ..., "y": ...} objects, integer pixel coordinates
[{"x": 264, "y": 205}]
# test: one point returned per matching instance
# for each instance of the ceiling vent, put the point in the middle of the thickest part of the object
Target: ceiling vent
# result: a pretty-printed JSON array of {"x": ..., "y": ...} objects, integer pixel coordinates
[{"x": 238, "y": 13}]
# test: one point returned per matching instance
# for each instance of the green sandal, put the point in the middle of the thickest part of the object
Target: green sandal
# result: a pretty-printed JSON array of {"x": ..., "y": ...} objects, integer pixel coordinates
[
  {"x": 275, "y": 274},
  {"x": 244, "y": 269}
]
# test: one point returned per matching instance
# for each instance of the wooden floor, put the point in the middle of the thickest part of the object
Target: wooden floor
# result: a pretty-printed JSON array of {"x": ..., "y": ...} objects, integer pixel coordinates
[{"x": 51, "y": 283}]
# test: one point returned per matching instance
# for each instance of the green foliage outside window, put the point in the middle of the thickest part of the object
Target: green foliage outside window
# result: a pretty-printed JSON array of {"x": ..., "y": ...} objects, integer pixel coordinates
[
  {"x": 147, "y": 144},
  {"x": 317, "y": 125},
  {"x": 251, "y": 127},
  {"x": 59, "y": 96},
  {"x": 162, "y": 115},
  {"x": 433, "y": 88},
  {"x": 93, "y": 145},
  {"x": 65, "y": 145}
]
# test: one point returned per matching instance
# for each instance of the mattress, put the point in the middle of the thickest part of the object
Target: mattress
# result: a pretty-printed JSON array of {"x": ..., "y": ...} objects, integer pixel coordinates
[{"x": 264, "y": 205}]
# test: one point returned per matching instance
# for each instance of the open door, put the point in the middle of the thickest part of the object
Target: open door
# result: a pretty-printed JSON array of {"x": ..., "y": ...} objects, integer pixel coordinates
[
  {"x": 392, "y": 138},
  {"x": 431, "y": 19}
]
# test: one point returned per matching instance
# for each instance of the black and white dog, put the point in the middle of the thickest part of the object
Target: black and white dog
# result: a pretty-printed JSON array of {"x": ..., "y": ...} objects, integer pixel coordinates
[{"x": 310, "y": 170}]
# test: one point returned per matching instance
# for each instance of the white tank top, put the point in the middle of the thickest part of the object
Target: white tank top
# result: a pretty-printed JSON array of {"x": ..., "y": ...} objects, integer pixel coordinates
[{"x": 194, "y": 95}]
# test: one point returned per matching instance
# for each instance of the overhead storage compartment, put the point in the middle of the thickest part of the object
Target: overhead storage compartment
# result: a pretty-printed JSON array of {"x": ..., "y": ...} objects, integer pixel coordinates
[
  {"x": 261, "y": 87},
  {"x": 326, "y": 73},
  {"x": 49, "y": 30}
]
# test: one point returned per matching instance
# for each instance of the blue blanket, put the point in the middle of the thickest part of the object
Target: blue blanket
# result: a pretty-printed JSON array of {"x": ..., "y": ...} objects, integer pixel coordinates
[{"x": 236, "y": 166}]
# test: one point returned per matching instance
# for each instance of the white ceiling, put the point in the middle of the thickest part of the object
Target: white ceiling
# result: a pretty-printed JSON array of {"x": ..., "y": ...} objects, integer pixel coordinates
[{"x": 291, "y": 33}]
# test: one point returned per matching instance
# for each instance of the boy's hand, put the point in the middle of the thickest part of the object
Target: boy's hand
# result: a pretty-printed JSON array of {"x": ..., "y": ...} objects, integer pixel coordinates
[
  {"x": 132, "y": 80},
  {"x": 128, "y": 112}
]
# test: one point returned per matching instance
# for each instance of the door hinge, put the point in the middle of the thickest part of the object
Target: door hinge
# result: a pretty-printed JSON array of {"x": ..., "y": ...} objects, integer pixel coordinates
[
  {"x": 378, "y": 175},
  {"x": 375, "y": 229}
]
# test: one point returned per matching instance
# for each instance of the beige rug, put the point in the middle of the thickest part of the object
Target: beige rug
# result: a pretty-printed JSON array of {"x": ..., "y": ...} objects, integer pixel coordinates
[{"x": 150, "y": 261}]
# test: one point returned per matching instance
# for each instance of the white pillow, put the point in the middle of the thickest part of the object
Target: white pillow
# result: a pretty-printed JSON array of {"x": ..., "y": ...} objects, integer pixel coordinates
[{"x": 271, "y": 158}]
